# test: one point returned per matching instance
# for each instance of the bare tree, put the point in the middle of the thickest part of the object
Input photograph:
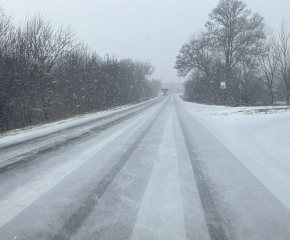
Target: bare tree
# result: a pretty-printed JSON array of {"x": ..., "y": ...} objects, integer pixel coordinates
[
  {"x": 45, "y": 74},
  {"x": 229, "y": 47},
  {"x": 5, "y": 29},
  {"x": 283, "y": 51},
  {"x": 235, "y": 30},
  {"x": 47, "y": 46},
  {"x": 250, "y": 86},
  {"x": 268, "y": 66},
  {"x": 6, "y": 88},
  {"x": 204, "y": 62},
  {"x": 197, "y": 54}
]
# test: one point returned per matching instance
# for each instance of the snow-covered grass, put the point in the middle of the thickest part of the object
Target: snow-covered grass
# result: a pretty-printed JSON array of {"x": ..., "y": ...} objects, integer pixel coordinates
[
  {"x": 258, "y": 136},
  {"x": 50, "y": 124},
  {"x": 266, "y": 128},
  {"x": 42, "y": 129}
]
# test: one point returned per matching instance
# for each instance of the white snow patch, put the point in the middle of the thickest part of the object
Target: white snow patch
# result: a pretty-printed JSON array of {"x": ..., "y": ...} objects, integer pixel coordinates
[
  {"x": 161, "y": 214},
  {"x": 258, "y": 136}
]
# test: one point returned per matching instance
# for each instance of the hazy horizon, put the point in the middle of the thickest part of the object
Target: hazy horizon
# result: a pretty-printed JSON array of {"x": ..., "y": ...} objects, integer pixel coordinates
[{"x": 143, "y": 30}]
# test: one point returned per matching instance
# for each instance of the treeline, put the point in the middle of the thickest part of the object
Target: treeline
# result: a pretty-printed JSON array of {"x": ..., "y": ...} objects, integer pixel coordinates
[
  {"x": 47, "y": 74},
  {"x": 235, "y": 48}
]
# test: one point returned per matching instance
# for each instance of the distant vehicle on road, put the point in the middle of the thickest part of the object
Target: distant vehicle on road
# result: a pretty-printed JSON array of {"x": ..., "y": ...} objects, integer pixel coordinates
[{"x": 164, "y": 91}]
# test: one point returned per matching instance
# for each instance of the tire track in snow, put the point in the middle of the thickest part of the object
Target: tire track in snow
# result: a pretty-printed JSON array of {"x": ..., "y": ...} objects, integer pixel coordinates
[
  {"x": 161, "y": 214},
  {"x": 213, "y": 218},
  {"x": 23, "y": 197},
  {"x": 75, "y": 221},
  {"x": 31, "y": 156}
]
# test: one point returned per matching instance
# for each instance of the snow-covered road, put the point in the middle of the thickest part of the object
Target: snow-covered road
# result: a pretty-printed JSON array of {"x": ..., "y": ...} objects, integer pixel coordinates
[{"x": 157, "y": 171}]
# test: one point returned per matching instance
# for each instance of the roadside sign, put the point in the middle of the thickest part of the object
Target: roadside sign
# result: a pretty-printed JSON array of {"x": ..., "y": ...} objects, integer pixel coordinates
[{"x": 223, "y": 85}]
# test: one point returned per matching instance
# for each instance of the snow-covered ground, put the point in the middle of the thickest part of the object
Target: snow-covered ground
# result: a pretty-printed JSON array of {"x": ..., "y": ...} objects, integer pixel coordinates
[
  {"x": 258, "y": 136},
  {"x": 172, "y": 170},
  {"x": 34, "y": 131}
]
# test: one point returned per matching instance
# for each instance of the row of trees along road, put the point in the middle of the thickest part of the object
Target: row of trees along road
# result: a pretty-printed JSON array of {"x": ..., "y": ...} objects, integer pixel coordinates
[
  {"x": 236, "y": 48},
  {"x": 47, "y": 74}
]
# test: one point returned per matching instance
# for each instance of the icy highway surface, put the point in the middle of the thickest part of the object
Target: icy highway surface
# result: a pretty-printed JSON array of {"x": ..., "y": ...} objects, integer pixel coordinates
[{"x": 152, "y": 171}]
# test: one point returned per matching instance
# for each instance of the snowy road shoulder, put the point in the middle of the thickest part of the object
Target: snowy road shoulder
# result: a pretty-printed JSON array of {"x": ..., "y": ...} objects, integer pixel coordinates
[
  {"x": 25, "y": 134},
  {"x": 258, "y": 136}
]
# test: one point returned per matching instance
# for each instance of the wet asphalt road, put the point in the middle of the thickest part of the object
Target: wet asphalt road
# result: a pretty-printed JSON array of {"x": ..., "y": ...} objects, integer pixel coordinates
[{"x": 152, "y": 173}]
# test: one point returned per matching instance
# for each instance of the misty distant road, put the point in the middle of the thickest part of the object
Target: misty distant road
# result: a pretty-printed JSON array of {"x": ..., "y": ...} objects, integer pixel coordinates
[{"x": 152, "y": 172}]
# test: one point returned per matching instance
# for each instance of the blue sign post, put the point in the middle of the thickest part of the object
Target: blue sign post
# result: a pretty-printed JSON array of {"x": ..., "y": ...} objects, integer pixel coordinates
[
  {"x": 223, "y": 88},
  {"x": 223, "y": 85}
]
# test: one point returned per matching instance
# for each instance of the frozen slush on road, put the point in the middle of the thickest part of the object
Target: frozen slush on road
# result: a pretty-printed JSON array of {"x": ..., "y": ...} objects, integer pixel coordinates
[{"x": 165, "y": 172}]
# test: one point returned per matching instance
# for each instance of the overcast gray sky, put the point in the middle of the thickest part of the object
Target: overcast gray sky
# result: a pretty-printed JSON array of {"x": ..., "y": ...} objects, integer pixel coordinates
[{"x": 147, "y": 30}]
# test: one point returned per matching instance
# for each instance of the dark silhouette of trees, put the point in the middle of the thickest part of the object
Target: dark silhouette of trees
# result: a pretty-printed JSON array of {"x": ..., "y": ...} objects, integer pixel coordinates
[
  {"x": 235, "y": 48},
  {"x": 46, "y": 74}
]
